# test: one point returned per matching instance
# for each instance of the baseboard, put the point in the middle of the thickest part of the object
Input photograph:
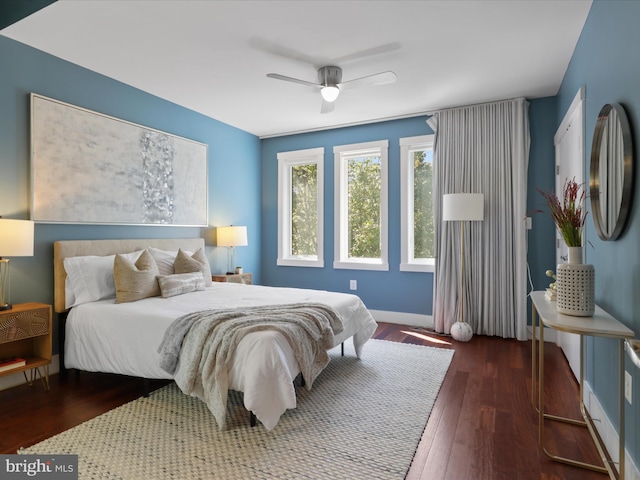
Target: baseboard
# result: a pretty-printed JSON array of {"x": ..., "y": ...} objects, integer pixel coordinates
[
  {"x": 401, "y": 318},
  {"x": 608, "y": 433},
  {"x": 16, "y": 379}
]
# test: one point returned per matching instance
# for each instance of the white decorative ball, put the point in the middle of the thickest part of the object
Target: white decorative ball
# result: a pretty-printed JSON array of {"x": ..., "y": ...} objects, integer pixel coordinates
[{"x": 461, "y": 331}]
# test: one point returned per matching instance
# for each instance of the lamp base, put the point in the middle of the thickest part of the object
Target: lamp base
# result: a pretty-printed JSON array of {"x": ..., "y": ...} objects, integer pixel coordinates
[
  {"x": 5, "y": 306},
  {"x": 461, "y": 331},
  {"x": 231, "y": 260}
]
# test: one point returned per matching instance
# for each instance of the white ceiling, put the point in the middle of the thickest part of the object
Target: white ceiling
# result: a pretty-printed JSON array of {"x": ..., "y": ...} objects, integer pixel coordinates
[{"x": 213, "y": 56}]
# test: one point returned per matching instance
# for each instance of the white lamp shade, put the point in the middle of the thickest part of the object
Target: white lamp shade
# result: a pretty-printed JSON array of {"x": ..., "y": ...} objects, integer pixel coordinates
[
  {"x": 232, "y": 236},
  {"x": 16, "y": 238},
  {"x": 463, "y": 207}
]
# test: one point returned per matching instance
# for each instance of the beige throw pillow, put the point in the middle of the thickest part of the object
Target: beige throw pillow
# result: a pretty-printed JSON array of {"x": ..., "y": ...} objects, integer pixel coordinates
[
  {"x": 195, "y": 263},
  {"x": 135, "y": 281}
]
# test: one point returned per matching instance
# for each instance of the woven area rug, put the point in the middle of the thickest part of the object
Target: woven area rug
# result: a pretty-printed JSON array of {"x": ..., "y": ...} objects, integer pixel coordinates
[{"x": 362, "y": 419}]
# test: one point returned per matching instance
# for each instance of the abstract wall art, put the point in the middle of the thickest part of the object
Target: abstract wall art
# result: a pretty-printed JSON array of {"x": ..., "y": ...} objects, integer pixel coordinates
[{"x": 87, "y": 167}]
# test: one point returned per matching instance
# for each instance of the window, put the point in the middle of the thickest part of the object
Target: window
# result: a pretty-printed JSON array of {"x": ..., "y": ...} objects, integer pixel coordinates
[
  {"x": 416, "y": 190},
  {"x": 300, "y": 208},
  {"x": 361, "y": 206}
]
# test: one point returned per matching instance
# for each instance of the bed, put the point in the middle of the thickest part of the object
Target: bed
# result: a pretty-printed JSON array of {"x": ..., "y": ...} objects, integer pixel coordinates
[{"x": 101, "y": 335}]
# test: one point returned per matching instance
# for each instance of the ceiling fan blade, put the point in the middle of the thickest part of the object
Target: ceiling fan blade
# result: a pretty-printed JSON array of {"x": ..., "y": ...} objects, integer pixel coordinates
[
  {"x": 369, "y": 81},
  {"x": 327, "y": 107},
  {"x": 291, "y": 79},
  {"x": 368, "y": 52},
  {"x": 282, "y": 51}
]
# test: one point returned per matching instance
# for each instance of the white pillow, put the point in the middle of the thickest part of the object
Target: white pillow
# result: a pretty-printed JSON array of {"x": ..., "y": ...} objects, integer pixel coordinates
[
  {"x": 91, "y": 278},
  {"x": 164, "y": 259}
]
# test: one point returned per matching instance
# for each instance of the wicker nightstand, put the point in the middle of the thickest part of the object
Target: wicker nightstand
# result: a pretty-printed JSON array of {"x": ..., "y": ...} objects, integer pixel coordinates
[
  {"x": 245, "y": 278},
  {"x": 25, "y": 332}
]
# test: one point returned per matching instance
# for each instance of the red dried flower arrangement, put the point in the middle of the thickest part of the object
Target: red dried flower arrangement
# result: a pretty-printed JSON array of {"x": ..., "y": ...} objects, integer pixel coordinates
[{"x": 570, "y": 215}]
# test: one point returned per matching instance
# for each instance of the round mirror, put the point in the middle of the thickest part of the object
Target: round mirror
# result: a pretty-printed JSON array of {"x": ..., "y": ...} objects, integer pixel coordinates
[{"x": 611, "y": 172}]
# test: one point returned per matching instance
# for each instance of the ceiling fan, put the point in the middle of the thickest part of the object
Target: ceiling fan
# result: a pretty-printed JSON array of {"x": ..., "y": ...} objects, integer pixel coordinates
[{"x": 330, "y": 83}]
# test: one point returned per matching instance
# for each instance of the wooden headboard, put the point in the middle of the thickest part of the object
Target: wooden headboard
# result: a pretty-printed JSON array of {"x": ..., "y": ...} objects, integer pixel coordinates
[{"x": 74, "y": 248}]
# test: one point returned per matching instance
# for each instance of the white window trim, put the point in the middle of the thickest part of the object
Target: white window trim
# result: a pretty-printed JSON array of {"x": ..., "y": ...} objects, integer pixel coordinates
[
  {"x": 285, "y": 161},
  {"x": 407, "y": 261},
  {"x": 340, "y": 216}
]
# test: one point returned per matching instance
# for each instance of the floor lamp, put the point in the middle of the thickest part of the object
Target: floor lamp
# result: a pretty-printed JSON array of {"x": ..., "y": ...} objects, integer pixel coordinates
[{"x": 462, "y": 207}]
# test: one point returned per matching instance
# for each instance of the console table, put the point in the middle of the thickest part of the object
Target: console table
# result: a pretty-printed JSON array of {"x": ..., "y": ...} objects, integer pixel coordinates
[{"x": 601, "y": 324}]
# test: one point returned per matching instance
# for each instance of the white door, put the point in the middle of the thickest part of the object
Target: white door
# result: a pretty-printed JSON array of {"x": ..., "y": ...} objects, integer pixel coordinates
[{"x": 569, "y": 145}]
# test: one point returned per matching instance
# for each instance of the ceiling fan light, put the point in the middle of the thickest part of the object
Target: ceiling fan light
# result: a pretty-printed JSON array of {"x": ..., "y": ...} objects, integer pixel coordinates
[{"x": 330, "y": 93}]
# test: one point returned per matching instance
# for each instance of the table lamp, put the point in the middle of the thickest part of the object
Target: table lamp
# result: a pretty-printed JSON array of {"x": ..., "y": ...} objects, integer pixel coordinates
[
  {"x": 16, "y": 240},
  {"x": 231, "y": 237},
  {"x": 462, "y": 207}
]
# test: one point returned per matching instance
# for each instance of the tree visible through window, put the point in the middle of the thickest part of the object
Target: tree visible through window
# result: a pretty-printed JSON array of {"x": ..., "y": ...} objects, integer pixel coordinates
[
  {"x": 361, "y": 206},
  {"x": 364, "y": 182},
  {"x": 300, "y": 208},
  {"x": 417, "y": 234},
  {"x": 423, "y": 203},
  {"x": 304, "y": 210}
]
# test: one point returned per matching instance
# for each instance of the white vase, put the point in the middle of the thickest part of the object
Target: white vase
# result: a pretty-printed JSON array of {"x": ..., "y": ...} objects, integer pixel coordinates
[
  {"x": 575, "y": 286},
  {"x": 575, "y": 255}
]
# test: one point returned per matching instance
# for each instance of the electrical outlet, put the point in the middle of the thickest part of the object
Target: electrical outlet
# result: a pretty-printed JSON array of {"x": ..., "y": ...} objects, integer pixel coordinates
[
  {"x": 628, "y": 387},
  {"x": 353, "y": 284}
]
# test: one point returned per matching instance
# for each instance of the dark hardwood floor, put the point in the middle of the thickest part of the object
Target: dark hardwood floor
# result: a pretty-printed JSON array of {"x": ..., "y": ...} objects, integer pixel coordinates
[{"x": 483, "y": 425}]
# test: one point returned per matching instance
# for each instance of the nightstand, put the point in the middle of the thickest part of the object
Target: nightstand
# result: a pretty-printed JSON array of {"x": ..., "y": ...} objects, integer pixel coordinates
[
  {"x": 245, "y": 278},
  {"x": 25, "y": 332}
]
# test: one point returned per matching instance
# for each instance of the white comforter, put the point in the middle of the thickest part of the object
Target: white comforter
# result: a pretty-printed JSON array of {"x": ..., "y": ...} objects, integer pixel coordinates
[{"x": 123, "y": 338}]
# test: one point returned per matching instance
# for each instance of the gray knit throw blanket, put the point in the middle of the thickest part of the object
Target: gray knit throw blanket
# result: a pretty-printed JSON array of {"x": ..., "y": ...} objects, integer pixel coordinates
[{"x": 197, "y": 347}]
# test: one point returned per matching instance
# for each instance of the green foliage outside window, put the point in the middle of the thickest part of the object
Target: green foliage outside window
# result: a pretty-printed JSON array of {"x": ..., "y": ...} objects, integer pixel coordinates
[
  {"x": 364, "y": 189},
  {"x": 364, "y": 186},
  {"x": 304, "y": 210},
  {"x": 423, "y": 204}
]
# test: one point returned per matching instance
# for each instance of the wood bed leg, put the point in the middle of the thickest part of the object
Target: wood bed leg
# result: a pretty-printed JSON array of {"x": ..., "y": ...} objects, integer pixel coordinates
[
  {"x": 342, "y": 348},
  {"x": 252, "y": 419}
]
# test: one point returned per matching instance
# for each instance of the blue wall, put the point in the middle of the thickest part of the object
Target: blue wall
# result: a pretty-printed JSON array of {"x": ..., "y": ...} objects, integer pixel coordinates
[
  {"x": 394, "y": 290},
  {"x": 234, "y": 162},
  {"x": 607, "y": 61},
  {"x": 541, "y": 250},
  {"x": 13, "y": 11}
]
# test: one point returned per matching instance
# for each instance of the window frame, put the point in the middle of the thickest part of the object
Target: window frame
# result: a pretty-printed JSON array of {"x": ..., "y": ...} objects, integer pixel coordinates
[
  {"x": 408, "y": 263},
  {"x": 341, "y": 155},
  {"x": 287, "y": 160}
]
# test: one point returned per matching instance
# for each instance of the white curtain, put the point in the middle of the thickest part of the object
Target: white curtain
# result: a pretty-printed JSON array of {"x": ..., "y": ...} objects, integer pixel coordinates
[{"x": 483, "y": 149}]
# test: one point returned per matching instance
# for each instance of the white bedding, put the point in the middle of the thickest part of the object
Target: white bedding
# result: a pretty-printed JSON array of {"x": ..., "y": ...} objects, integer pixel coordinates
[{"x": 104, "y": 336}]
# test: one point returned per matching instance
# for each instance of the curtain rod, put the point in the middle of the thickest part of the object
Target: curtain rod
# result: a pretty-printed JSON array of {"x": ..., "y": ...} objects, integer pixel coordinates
[{"x": 433, "y": 112}]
